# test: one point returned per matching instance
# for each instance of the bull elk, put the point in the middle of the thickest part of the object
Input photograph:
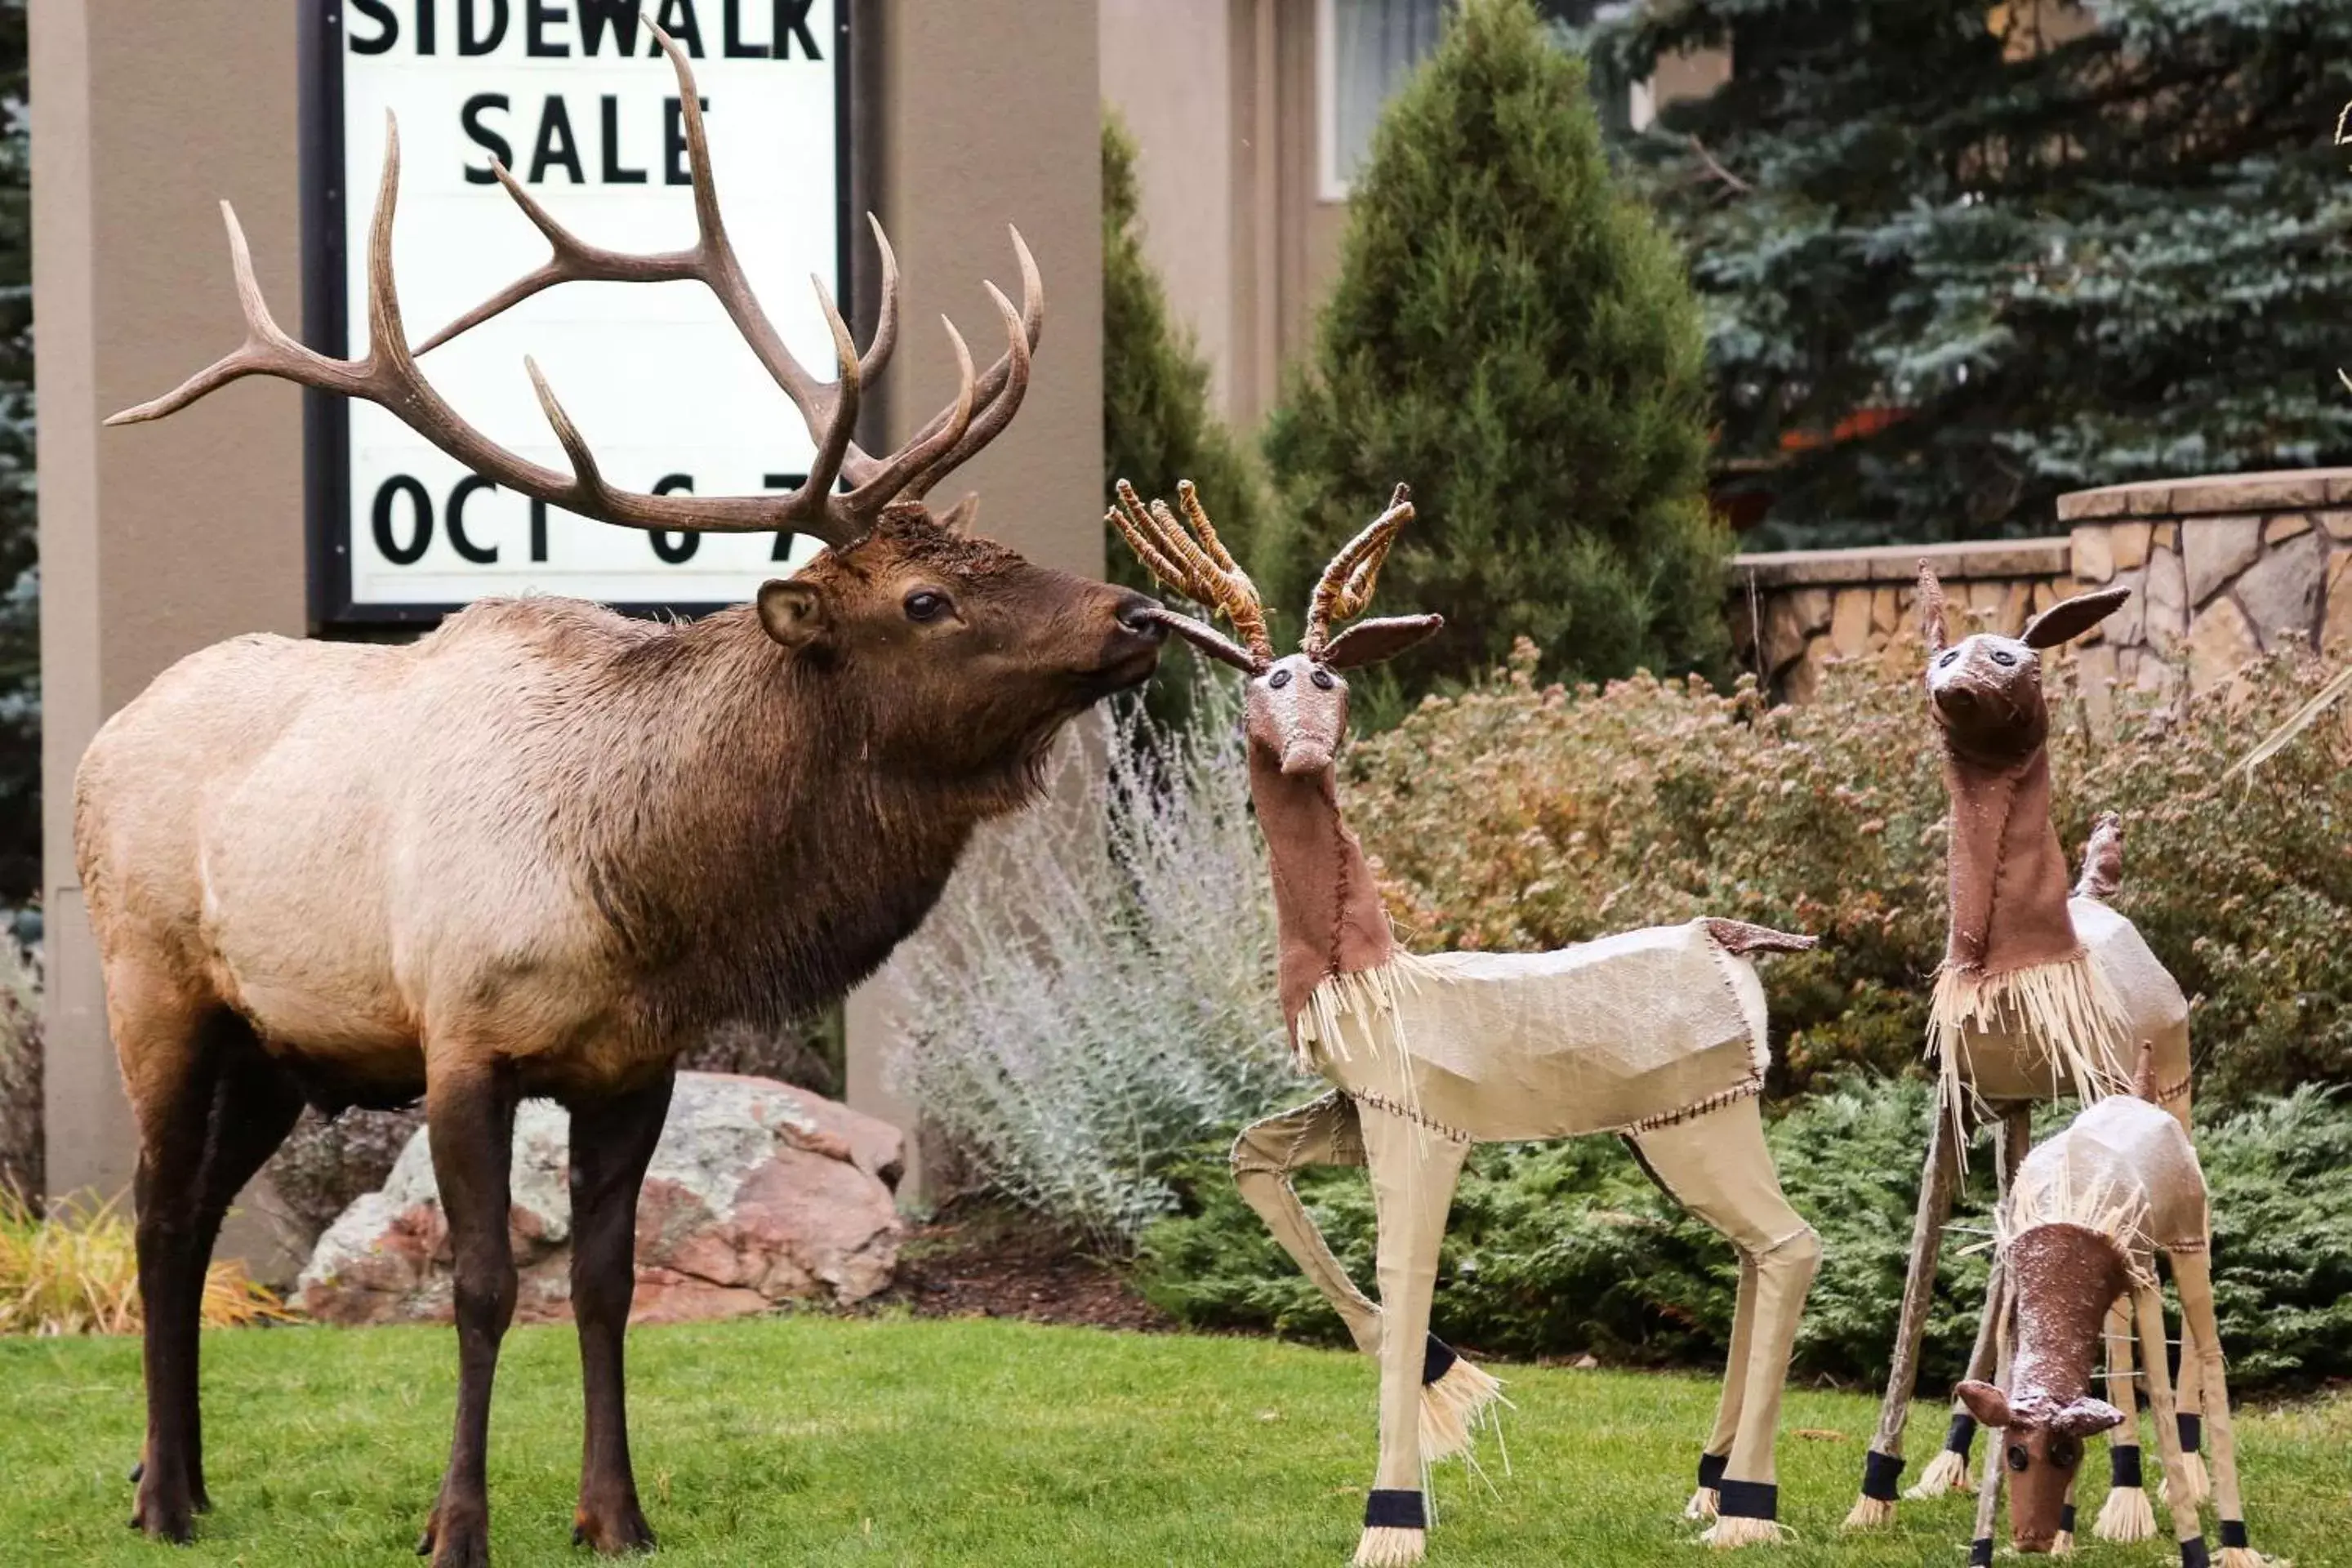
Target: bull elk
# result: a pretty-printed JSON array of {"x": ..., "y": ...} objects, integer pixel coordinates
[
  {"x": 543, "y": 850},
  {"x": 2041, "y": 994},
  {"x": 1657, "y": 1035}
]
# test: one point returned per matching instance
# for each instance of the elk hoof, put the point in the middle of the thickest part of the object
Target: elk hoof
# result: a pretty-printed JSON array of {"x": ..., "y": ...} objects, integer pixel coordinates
[
  {"x": 163, "y": 1519},
  {"x": 611, "y": 1529},
  {"x": 455, "y": 1539}
]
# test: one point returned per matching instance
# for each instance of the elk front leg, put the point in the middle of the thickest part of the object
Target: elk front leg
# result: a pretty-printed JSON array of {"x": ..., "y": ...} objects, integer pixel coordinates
[
  {"x": 1719, "y": 1167},
  {"x": 2148, "y": 1302},
  {"x": 2192, "y": 1272},
  {"x": 612, "y": 1144},
  {"x": 1882, "y": 1466},
  {"x": 1414, "y": 1172},
  {"x": 469, "y": 1120}
]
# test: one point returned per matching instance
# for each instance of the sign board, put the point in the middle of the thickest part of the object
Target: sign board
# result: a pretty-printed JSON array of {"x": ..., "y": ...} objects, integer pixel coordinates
[{"x": 576, "y": 98}]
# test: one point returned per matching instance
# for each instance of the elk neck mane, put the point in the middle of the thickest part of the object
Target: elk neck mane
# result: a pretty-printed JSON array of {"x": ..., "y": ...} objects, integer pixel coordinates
[{"x": 727, "y": 813}]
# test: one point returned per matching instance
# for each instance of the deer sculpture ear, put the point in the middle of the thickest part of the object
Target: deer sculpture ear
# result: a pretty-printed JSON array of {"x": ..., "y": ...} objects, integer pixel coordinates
[
  {"x": 1989, "y": 1405},
  {"x": 1370, "y": 642},
  {"x": 2084, "y": 1418},
  {"x": 793, "y": 612},
  {"x": 1931, "y": 608},
  {"x": 2070, "y": 618},
  {"x": 1209, "y": 640}
]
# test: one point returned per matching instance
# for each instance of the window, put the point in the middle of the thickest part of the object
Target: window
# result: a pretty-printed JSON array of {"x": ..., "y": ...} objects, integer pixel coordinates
[{"x": 1364, "y": 51}]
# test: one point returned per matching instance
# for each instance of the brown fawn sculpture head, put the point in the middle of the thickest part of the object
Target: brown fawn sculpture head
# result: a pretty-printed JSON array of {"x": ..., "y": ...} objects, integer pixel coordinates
[
  {"x": 972, "y": 641},
  {"x": 1296, "y": 706},
  {"x": 1985, "y": 690}
]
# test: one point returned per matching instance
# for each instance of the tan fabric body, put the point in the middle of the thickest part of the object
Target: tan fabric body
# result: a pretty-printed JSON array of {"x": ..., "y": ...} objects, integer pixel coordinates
[
  {"x": 2124, "y": 1168},
  {"x": 1626, "y": 1032}
]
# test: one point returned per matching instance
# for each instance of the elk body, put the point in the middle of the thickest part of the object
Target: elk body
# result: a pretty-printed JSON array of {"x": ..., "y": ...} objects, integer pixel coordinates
[
  {"x": 1657, "y": 1035},
  {"x": 546, "y": 849},
  {"x": 2086, "y": 1215},
  {"x": 2042, "y": 993}
]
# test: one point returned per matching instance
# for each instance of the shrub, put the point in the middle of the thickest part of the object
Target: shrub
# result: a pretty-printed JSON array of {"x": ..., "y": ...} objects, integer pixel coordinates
[
  {"x": 1520, "y": 816},
  {"x": 1073, "y": 1046},
  {"x": 1158, "y": 426},
  {"x": 1517, "y": 339},
  {"x": 76, "y": 1271},
  {"x": 1561, "y": 1249}
]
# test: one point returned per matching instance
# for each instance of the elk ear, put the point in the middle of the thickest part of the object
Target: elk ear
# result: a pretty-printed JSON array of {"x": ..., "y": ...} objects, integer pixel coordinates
[
  {"x": 959, "y": 518},
  {"x": 1209, "y": 640},
  {"x": 793, "y": 612},
  {"x": 1989, "y": 1405},
  {"x": 2084, "y": 1418},
  {"x": 1370, "y": 642},
  {"x": 2070, "y": 618}
]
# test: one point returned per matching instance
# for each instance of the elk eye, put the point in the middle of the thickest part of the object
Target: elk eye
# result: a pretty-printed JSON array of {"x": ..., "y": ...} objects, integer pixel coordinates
[
  {"x": 1278, "y": 679},
  {"x": 925, "y": 606},
  {"x": 2066, "y": 1452},
  {"x": 2003, "y": 656},
  {"x": 1322, "y": 678},
  {"x": 2017, "y": 1460}
]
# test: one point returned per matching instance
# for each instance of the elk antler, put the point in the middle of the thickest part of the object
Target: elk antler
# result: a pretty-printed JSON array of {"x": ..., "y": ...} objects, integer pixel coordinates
[
  {"x": 1345, "y": 591},
  {"x": 1194, "y": 564},
  {"x": 389, "y": 375}
]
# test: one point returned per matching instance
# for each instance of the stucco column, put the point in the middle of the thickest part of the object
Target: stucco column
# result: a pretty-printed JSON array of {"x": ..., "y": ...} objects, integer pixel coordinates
[
  {"x": 156, "y": 542},
  {"x": 982, "y": 113}
]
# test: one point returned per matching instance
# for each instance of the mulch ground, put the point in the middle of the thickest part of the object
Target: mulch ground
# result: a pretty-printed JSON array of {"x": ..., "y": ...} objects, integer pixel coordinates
[{"x": 975, "y": 1262}]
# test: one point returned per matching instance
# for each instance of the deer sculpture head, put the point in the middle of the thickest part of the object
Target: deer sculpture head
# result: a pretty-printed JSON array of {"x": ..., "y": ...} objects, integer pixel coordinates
[
  {"x": 1296, "y": 706},
  {"x": 959, "y": 643},
  {"x": 1985, "y": 690}
]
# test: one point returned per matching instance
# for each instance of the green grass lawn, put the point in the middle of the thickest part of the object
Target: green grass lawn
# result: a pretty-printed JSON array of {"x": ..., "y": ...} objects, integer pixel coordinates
[{"x": 816, "y": 1440}]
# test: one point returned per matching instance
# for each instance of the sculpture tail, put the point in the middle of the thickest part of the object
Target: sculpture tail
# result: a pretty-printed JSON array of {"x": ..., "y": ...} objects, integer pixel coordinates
[
  {"x": 1739, "y": 939},
  {"x": 2103, "y": 859}
]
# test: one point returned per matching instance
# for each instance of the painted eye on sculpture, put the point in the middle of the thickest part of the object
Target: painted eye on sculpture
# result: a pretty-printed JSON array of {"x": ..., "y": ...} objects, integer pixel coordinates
[
  {"x": 2065, "y": 1453},
  {"x": 1951, "y": 657},
  {"x": 1322, "y": 678},
  {"x": 2017, "y": 1459},
  {"x": 2004, "y": 657},
  {"x": 925, "y": 606},
  {"x": 1278, "y": 679}
]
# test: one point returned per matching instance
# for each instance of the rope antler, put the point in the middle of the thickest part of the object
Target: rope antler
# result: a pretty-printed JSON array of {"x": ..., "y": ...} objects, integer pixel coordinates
[
  {"x": 1192, "y": 561},
  {"x": 1345, "y": 591}
]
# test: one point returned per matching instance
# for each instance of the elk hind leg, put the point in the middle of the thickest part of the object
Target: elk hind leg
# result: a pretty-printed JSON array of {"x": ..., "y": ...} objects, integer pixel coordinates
[
  {"x": 612, "y": 1144},
  {"x": 469, "y": 1120},
  {"x": 1719, "y": 1167},
  {"x": 1414, "y": 1172}
]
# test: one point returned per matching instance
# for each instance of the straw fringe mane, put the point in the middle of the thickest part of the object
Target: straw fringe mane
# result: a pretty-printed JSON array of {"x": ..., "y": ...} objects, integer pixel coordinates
[
  {"x": 2048, "y": 1194},
  {"x": 2066, "y": 1010}
]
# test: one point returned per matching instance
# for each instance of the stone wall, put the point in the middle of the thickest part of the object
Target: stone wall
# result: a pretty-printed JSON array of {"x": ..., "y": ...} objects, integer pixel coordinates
[{"x": 2221, "y": 569}]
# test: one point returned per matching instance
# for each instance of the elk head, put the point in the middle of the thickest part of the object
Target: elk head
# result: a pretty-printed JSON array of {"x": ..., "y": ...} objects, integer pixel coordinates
[
  {"x": 975, "y": 644},
  {"x": 1296, "y": 706},
  {"x": 1986, "y": 690}
]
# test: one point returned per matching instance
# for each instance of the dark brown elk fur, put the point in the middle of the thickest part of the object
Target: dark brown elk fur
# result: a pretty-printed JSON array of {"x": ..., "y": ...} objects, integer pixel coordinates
[{"x": 547, "y": 849}]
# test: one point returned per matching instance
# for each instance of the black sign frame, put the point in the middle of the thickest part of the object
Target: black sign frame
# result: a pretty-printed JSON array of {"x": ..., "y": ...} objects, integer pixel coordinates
[{"x": 326, "y": 418}]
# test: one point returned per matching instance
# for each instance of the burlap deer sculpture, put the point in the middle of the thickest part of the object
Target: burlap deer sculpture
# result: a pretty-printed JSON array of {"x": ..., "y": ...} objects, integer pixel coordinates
[
  {"x": 2041, "y": 994},
  {"x": 1657, "y": 1035},
  {"x": 2085, "y": 1214}
]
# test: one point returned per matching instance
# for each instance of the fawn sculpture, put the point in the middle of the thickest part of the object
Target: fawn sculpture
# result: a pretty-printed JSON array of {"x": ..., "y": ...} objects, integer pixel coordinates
[
  {"x": 2040, "y": 995},
  {"x": 2085, "y": 1214},
  {"x": 1657, "y": 1035}
]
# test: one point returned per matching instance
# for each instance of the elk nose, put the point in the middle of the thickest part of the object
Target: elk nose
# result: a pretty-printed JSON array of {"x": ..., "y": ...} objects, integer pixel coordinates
[{"x": 1141, "y": 615}]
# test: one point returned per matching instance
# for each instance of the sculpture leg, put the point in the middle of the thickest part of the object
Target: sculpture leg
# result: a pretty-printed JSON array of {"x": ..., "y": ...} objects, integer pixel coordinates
[
  {"x": 612, "y": 1144},
  {"x": 1988, "y": 1483},
  {"x": 470, "y": 1119},
  {"x": 2126, "y": 1515},
  {"x": 1949, "y": 1471},
  {"x": 2148, "y": 1303},
  {"x": 2189, "y": 1401},
  {"x": 1882, "y": 1464},
  {"x": 2193, "y": 1273},
  {"x": 1414, "y": 1172},
  {"x": 1455, "y": 1395},
  {"x": 1719, "y": 1167}
]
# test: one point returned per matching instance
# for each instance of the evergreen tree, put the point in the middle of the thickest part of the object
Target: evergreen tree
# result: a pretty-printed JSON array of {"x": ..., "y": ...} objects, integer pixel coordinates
[
  {"x": 1513, "y": 338},
  {"x": 2003, "y": 251},
  {"x": 1157, "y": 427},
  {"x": 20, "y": 580}
]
